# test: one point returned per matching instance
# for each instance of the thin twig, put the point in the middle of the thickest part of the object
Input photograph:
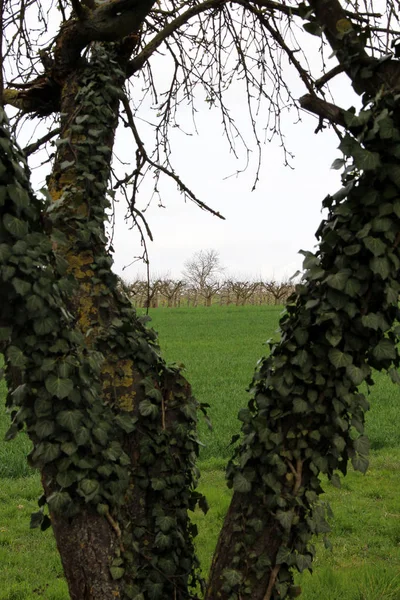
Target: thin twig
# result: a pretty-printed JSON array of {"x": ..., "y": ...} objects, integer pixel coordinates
[{"x": 183, "y": 188}]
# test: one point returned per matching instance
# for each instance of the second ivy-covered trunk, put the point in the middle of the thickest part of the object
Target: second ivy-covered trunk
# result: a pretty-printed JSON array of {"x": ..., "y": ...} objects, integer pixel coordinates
[{"x": 306, "y": 415}]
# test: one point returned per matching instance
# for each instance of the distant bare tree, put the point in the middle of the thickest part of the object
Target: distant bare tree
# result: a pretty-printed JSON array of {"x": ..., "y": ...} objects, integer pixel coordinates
[
  {"x": 279, "y": 290},
  {"x": 171, "y": 290},
  {"x": 242, "y": 290},
  {"x": 202, "y": 273}
]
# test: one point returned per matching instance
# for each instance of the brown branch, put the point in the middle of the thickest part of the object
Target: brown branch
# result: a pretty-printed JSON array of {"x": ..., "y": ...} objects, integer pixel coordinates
[
  {"x": 328, "y": 76},
  {"x": 78, "y": 8},
  {"x": 325, "y": 110},
  {"x": 271, "y": 583},
  {"x": 36, "y": 145},
  {"x": 137, "y": 63}
]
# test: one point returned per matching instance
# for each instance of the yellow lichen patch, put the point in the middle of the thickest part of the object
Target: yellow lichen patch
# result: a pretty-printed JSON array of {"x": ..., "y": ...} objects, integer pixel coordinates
[
  {"x": 82, "y": 274},
  {"x": 86, "y": 312},
  {"x": 13, "y": 98},
  {"x": 124, "y": 373},
  {"x": 117, "y": 374},
  {"x": 125, "y": 402},
  {"x": 77, "y": 261}
]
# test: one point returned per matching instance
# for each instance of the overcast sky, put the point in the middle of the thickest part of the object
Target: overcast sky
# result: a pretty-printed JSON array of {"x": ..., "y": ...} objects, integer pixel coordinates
[{"x": 263, "y": 230}]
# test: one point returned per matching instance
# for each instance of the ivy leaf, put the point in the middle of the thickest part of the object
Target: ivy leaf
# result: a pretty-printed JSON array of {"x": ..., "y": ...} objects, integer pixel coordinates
[
  {"x": 18, "y": 195},
  {"x": 385, "y": 350},
  {"x": 113, "y": 452},
  {"x": 82, "y": 435},
  {"x": 17, "y": 228},
  {"x": 333, "y": 337},
  {"x": 69, "y": 448},
  {"x": 303, "y": 561},
  {"x": 283, "y": 555},
  {"x": 49, "y": 452},
  {"x": 338, "y": 280},
  {"x": 360, "y": 463},
  {"x": 158, "y": 484},
  {"x": 339, "y": 359},
  {"x": 300, "y": 405},
  {"x": 362, "y": 445},
  {"x": 148, "y": 409},
  {"x": 44, "y": 429},
  {"x": 285, "y": 518},
  {"x": 313, "y": 28},
  {"x": 355, "y": 374},
  {"x": 335, "y": 480},
  {"x": 88, "y": 488},
  {"x": 36, "y": 519},
  {"x": 16, "y": 357},
  {"x": 338, "y": 164},
  {"x": 374, "y": 245},
  {"x": 352, "y": 287},
  {"x": 34, "y": 303},
  {"x": 380, "y": 265},
  {"x": 101, "y": 434},
  {"x": 66, "y": 478},
  {"x": 371, "y": 320},
  {"x": 69, "y": 419},
  {"x": 45, "y": 325},
  {"x": 58, "y": 386},
  {"x": 165, "y": 523},
  {"x": 21, "y": 287},
  {"x": 126, "y": 421},
  {"x": 162, "y": 540},
  {"x": 339, "y": 443},
  {"x": 43, "y": 407},
  {"x": 241, "y": 484},
  {"x": 117, "y": 572},
  {"x": 366, "y": 160},
  {"x": 232, "y": 577},
  {"x": 66, "y": 164}
]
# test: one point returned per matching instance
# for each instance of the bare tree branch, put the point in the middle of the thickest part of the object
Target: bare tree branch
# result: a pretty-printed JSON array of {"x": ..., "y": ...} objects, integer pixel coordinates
[
  {"x": 159, "y": 167},
  {"x": 36, "y": 145}
]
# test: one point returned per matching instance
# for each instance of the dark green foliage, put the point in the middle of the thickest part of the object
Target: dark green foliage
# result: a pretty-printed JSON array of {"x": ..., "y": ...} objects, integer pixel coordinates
[{"x": 306, "y": 417}]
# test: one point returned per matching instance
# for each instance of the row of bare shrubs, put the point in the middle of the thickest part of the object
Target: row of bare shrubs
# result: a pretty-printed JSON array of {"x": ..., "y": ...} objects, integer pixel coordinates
[{"x": 165, "y": 291}]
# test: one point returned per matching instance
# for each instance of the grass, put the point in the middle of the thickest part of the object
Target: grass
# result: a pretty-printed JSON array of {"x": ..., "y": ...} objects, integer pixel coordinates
[{"x": 219, "y": 347}]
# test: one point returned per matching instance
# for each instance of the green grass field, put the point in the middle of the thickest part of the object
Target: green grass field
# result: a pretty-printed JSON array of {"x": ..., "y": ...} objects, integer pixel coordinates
[{"x": 219, "y": 347}]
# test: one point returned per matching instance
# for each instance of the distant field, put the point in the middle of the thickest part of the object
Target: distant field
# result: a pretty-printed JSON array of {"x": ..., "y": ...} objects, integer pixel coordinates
[{"x": 219, "y": 347}]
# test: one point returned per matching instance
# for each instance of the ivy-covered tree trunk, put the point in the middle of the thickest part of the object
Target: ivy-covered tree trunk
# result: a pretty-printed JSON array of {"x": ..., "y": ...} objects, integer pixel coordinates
[
  {"x": 306, "y": 407},
  {"x": 113, "y": 426}
]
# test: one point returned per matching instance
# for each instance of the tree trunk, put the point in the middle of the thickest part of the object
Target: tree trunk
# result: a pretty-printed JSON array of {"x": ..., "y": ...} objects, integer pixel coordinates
[{"x": 122, "y": 482}]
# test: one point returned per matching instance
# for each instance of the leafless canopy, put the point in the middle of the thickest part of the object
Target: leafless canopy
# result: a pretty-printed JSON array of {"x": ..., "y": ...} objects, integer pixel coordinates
[{"x": 183, "y": 53}]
